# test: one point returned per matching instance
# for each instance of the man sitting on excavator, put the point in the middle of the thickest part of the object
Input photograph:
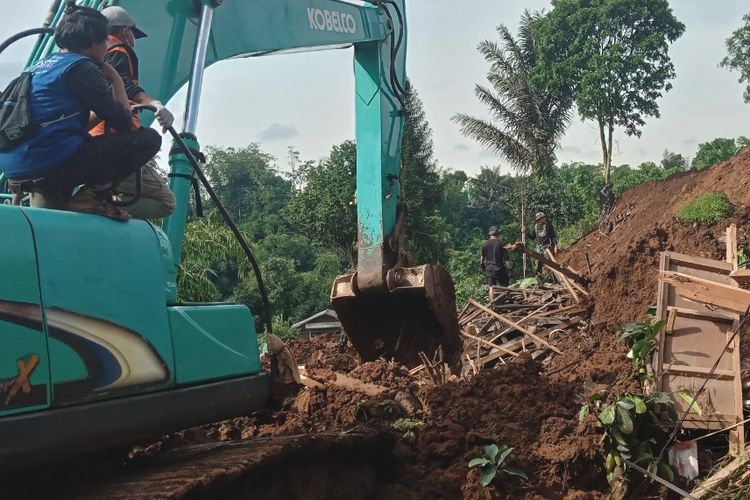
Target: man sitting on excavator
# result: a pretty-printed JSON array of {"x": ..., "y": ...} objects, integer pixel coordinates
[
  {"x": 60, "y": 156},
  {"x": 156, "y": 200}
]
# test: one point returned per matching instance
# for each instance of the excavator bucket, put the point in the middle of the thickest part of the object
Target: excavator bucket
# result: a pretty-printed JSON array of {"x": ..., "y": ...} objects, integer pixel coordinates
[{"x": 415, "y": 312}]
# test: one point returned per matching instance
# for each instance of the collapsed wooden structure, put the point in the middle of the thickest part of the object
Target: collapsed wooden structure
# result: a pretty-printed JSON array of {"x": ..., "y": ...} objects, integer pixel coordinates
[{"x": 519, "y": 320}]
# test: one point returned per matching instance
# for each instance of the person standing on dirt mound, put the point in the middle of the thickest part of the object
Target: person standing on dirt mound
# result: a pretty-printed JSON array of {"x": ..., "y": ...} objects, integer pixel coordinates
[
  {"x": 495, "y": 261},
  {"x": 545, "y": 236}
]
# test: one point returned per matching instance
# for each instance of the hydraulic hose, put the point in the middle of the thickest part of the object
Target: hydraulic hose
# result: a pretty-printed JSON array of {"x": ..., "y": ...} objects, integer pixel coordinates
[
  {"x": 235, "y": 230},
  {"x": 23, "y": 34}
]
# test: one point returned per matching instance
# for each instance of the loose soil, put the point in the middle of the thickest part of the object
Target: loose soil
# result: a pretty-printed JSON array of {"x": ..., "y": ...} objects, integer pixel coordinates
[{"x": 431, "y": 433}]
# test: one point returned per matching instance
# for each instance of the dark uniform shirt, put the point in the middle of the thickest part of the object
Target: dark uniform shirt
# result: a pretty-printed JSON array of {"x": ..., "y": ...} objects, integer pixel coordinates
[
  {"x": 86, "y": 83},
  {"x": 129, "y": 73},
  {"x": 495, "y": 255}
]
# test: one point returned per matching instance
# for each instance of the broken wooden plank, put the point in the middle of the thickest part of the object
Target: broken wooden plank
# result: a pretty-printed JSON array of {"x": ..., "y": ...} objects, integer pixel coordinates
[
  {"x": 489, "y": 344},
  {"x": 515, "y": 325},
  {"x": 565, "y": 281},
  {"x": 344, "y": 381},
  {"x": 707, "y": 488},
  {"x": 732, "y": 245},
  {"x": 552, "y": 265},
  {"x": 741, "y": 276},
  {"x": 709, "y": 292}
]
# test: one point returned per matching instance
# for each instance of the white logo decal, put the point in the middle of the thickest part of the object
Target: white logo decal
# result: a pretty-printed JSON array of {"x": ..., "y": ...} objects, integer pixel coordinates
[{"x": 331, "y": 20}]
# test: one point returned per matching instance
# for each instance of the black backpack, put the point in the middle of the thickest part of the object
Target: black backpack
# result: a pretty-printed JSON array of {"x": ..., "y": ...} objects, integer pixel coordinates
[{"x": 15, "y": 113}]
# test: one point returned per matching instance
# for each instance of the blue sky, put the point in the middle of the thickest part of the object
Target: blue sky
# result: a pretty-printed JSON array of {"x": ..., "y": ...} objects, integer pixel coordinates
[{"x": 306, "y": 100}]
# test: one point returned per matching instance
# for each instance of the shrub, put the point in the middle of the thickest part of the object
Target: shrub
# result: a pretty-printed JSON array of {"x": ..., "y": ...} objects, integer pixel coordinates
[{"x": 707, "y": 209}]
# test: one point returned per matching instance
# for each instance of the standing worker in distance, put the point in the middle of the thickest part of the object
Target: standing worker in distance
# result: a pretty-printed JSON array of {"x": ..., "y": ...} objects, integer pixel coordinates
[
  {"x": 156, "y": 201},
  {"x": 495, "y": 262},
  {"x": 545, "y": 236}
]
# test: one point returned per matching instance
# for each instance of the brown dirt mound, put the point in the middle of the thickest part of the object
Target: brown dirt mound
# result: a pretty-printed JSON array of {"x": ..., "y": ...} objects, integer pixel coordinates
[
  {"x": 323, "y": 351},
  {"x": 625, "y": 262},
  {"x": 385, "y": 373},
  {"x": 513, "y": 404}
]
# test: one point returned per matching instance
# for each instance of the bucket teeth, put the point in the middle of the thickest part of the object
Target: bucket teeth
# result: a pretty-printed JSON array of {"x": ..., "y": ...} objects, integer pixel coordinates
[{"x": 416, "y": 313}]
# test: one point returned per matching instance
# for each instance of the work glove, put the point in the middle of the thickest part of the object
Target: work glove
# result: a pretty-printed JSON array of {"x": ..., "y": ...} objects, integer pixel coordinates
[{"x": 163, "y": 116}]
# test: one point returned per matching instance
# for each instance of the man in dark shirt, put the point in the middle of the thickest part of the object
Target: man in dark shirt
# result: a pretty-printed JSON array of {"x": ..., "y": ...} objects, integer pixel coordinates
[
  {"x": 495, "y": 261},
  {"x": 65, "y": 87}
]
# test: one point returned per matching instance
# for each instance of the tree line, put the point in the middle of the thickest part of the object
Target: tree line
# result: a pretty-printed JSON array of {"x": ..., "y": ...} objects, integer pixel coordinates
[{"x": 610, "y": 62}]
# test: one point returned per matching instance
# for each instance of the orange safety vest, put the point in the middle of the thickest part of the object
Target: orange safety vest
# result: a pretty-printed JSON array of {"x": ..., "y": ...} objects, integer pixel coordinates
[{"x": 116, "y": 45}]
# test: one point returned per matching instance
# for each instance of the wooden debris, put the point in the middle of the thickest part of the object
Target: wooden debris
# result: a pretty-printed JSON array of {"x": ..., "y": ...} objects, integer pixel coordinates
[
  {"x": 707, "y": 488},
  {"x": 342, "y": 380},
  {"x": 519, "y": 320},
  {"x": 710, "y": 292},
  {"x": 550, "y": 263}
]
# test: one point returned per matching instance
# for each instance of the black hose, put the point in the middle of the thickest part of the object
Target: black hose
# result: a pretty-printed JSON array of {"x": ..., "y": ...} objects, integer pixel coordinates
[
  {"x": 215, "y": 198},
  {"x": 23, "y": 34},
  {"x": 237, "y": 234}
]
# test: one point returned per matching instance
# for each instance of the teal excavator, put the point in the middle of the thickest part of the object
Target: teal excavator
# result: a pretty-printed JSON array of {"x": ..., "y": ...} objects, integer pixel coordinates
[{"x": 96, "y": 350}]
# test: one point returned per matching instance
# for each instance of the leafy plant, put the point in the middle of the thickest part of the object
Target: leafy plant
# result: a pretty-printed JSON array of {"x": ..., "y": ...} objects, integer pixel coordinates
[
  {"x": 630, "y": 424},
  {"x": 641, "y": 338},
  {"x": 408, "y": 426},
  {"x": 491, "y": 464},
  {"x": 707, "y": 209},
  {"x": 687, "y": 396}
]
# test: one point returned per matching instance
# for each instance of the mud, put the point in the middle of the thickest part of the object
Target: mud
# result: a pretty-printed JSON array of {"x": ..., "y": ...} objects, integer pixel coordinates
[
  {"x": 625, "y": 262},
  {"x": 414, "y": 440}
]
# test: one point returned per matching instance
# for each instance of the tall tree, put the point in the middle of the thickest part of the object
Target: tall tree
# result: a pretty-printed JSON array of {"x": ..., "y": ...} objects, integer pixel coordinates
[
  {"x": 250, "y": 188},
  {"x": 527, "y": 120},
  {"x": 325, "y": 210},
  {"x": 426, "y": 232},
  {"x": 738, "y": 54},
  {"x": 614, "y": 55}
]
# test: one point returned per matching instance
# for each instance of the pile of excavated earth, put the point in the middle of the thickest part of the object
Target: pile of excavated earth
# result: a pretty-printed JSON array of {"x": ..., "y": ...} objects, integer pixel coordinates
[
  {"x": 435, "y": 430},
  {"x": 419, "y": 436}
]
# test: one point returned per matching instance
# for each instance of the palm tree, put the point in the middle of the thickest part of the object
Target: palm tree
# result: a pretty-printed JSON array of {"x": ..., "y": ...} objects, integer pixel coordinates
[{"x": 527, "y": 121}]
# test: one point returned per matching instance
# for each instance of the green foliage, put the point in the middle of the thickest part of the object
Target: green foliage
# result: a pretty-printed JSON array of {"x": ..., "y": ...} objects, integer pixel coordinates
[
  {"x": 708, "y": 208},
  {"x": 427, "y": 233},
  {"x": 719, "y": 149},
  {"x": 641, "y": 339},
  {"x": 527, "y": 120},
  {"x": 408, "y": 427},
  {"x": 572, "y": 233},
  {"x": 282, "y": 327},
  {"x": 325, "y": 210},
  {"x": 207, "y": 246},
  {"x": 613, "y": 56},
  {"x": 630, "y": 425},
  {"x": 250, "y": 188},
  {"x": 463, "y": 265},
  {"x": 738, "y": 54},
  {"x": 671, "y": 160},
  {"x": 491, "y": 464},
  {"x": 624, "y": 177}
]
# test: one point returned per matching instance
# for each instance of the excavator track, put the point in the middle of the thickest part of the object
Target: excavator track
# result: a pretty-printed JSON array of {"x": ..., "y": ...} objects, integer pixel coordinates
[{"x": 326, "y": 465}]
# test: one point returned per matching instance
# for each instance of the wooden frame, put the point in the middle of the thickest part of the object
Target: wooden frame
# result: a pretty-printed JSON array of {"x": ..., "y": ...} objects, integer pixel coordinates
[{"x": 694, "y": 335}]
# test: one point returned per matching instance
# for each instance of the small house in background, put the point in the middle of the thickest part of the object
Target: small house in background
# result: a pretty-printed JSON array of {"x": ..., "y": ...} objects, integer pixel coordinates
[{"x": 322, "y": 322}]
